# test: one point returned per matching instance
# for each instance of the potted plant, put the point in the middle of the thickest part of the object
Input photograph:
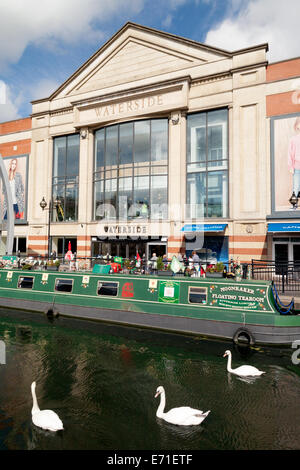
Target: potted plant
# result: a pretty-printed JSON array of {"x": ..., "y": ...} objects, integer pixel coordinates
[
  {"x": 52, "y": 265},
  {"x": 216, "y": 270},
  {"x": 26, "y": 266}
]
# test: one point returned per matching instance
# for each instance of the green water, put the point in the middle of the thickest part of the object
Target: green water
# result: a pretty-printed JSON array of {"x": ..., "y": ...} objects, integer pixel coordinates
[{"x": 101, "y": 380}]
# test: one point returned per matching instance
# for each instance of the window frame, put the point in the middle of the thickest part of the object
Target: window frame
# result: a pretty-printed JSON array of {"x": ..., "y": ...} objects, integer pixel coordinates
[
  {"x": 22, "y": 277},
  {"x": 63, "y": 279},
  {"x": 136, "y": 170},
  {"x": 197, "y": 287},
  {"x": 63, "y": 183},
  {"x": 206, "y": 167},
  {"x": 108, "y": 282}
]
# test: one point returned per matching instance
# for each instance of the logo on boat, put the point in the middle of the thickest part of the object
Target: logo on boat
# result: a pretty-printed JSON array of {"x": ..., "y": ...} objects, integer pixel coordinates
[{"x": 127, "y": 290}]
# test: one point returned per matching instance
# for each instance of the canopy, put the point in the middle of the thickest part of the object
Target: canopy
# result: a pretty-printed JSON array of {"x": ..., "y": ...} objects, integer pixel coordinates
[
  {"x": 203, "y": 228},
  {"x": 284, "y": 227}
]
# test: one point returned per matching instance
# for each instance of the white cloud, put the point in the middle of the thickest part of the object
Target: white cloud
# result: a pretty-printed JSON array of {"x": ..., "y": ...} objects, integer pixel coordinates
[
  {"x": 40, "y": 22},
  {"x": 8, "y": 104},
  {"x": 43, "y": 88},
  {"x": 166, "y": 23},
  {"x": 251, "y": 22}
]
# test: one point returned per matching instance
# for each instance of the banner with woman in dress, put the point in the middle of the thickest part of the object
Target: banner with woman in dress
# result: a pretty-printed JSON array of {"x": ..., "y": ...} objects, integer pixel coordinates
[{"x": 17, "y": 176}]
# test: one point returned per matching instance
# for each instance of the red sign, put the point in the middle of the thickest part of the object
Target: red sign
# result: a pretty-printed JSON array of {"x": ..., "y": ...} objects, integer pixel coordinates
[{"x": 127, "y": 290}]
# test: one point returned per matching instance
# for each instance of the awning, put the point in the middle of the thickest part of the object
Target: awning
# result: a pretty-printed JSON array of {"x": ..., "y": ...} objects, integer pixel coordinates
[
  {"x": 204, "y": 228},
  {"x": 284, "y": 227}
]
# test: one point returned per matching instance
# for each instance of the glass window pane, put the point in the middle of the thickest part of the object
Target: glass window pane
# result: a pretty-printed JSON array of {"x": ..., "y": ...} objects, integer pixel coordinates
[
  {"x": 98, "y": 199},
  {"x": 25, "y": 282},
  {"x": 159, "y": 141},
  {"x": 196, "y": 137},
  {"x": 110, "y": 198},
  {"x": 64, "y": 285},
  {"x": 60, "y": 152},
  {"x": 217, "y": 194},
  {"x": 99, "y": 150},
  {"x": 58, "y": 193},
  {"x": 126, "y": 143},
  {"x": 159, "y": 197},
  {"x": 140, "y": 207},
  {"x": 142, "y": 141},
  {"x": 125, "y": 196},
  {"x": 71, "y": 203},
  {"x": 107, "y": 288},
  {"x": 207, "y": 149},
  {"x": 111, "y": 150},
  {"x": 196, "y": 195},
  {"x": 217, "y": 135},
  {"x": 72, "y": 155},
  {"x": 197, "y": 295}
]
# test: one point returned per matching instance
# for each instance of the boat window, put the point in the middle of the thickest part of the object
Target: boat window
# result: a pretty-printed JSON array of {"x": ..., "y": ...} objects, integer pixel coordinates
[
  {"x": 25, "y": 282},
  {"x": 64, "y": 285},
  {"x": 108, "y": 288},
  {"x": 197, "y": 295}
]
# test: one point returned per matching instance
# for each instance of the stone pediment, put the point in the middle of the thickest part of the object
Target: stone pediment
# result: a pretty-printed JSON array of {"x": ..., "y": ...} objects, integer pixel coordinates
[{"x": 135, "y": 54}]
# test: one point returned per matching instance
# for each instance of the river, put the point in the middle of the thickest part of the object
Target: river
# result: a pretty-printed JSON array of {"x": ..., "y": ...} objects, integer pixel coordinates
[{"x": 101, "y": 380}]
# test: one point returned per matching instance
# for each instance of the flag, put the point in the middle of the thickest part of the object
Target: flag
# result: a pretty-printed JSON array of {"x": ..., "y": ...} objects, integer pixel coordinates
[
  {"x": 176, "y": 265},
  {"x": 138, "y": 256}
]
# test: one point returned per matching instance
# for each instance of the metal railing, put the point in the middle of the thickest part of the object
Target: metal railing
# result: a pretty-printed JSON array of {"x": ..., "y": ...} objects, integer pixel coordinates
[
  {"x": 124, "y": 265},
  {"x": 285, "y": 275}
]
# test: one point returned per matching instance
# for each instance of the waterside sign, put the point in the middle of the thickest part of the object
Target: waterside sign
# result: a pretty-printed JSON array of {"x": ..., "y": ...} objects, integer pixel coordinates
[{"x": 135, "y": 103}]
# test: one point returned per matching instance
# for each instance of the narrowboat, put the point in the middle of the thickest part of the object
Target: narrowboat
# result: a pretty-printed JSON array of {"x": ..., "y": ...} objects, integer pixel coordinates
[{"x": 245, "y": 310}]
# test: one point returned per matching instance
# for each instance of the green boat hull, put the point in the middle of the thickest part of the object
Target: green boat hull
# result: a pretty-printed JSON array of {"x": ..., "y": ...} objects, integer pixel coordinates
[{"x": 238, "y": 311}]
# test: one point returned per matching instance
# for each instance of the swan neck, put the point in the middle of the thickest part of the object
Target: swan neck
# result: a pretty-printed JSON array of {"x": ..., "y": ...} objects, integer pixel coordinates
[
  {"x": 35, "y": 407},
  {"x": 162, "y": 404},
  {"x": 229, "y": 363}
]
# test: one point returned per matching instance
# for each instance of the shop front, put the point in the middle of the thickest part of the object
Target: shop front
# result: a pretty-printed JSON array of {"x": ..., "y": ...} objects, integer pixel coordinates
[
  {"x": 128, "y": 248},
  {"x": 208, "y": 240},
  {"x": 285, "y": 242}
]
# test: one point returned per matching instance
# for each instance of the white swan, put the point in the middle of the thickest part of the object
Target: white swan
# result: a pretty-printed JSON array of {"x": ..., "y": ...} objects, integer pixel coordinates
[
  {"x": 184, "y": 415},
  {"x": 242, "y": 371},
  {"x": 45, "y": 419}
]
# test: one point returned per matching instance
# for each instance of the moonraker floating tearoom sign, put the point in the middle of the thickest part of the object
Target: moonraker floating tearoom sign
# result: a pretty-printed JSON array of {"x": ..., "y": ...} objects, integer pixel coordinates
[{"x": 241, "y": 297}]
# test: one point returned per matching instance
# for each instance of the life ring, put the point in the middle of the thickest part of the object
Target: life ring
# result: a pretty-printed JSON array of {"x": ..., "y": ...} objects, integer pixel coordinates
[{"x": 242, "y": 335}]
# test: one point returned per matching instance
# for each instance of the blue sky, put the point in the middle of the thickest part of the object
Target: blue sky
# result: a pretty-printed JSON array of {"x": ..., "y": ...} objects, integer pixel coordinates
[{"x": 43, "y": 43}]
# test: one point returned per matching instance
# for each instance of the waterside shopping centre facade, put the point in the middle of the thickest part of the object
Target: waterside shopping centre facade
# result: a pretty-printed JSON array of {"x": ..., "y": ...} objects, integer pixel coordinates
[{"x": 161, "y": 144}]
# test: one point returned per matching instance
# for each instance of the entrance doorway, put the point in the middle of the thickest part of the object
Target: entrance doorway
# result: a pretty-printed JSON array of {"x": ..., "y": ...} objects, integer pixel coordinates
[
  {"x": 159, "y": 248},
  {"x": 286, "y": 250},
  {"x": 127, "y": 248}
]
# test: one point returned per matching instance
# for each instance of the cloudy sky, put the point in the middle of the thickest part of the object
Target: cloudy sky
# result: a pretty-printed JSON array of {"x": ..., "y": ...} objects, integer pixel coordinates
[{"x": 42, "y": 43}]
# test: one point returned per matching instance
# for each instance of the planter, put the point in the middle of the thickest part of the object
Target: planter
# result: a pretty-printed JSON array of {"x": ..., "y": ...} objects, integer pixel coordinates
[
  {"x": 214, "y": 275},
  {"x": 164, "y": 273},
  {"x": 52, "y": 268}
]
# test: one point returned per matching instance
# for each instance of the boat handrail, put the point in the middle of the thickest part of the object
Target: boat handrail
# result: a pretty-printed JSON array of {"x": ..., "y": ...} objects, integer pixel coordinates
[{"x": 279, "y": 304}]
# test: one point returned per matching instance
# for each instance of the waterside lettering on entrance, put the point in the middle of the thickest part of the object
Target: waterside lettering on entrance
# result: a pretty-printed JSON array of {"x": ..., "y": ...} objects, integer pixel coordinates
[
  {"x": 129, "y": 106},
  {"x": 125, "y": 229}
]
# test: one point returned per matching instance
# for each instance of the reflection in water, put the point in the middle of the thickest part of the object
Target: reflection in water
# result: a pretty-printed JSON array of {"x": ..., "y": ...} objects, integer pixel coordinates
[{"x": 101, "y": 381}]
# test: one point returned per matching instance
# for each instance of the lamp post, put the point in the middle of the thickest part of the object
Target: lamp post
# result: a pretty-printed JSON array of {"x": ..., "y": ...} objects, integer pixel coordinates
[{"x": 55, "y": 204}]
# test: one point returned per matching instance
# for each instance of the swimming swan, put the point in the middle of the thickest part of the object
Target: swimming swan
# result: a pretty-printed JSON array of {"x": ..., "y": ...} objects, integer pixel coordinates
[
  {"x": 45, "y": 419},
  {"x": 242, "y": 371},
  {"x": 184, "y": 415}
]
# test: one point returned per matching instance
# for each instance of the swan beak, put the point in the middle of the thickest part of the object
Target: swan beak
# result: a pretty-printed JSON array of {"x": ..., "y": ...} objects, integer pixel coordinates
[
  {"x": 224, "y": 355},
  {"x": 156, "y": 395}
]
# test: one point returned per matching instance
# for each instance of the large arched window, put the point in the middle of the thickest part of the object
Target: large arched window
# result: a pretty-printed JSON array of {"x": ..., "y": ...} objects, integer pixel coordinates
[{"x": 131, "y": 170}]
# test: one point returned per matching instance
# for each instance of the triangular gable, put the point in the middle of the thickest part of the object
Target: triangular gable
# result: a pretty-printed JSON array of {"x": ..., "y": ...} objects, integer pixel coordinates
[{"x": 135, "y": 53}]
